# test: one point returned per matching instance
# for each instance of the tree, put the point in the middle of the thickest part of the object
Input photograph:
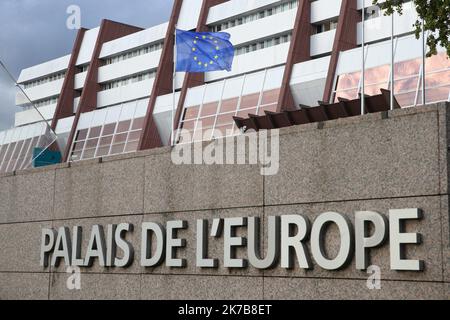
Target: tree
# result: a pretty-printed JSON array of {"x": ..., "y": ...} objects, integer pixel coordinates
[{"x": 435, "y": 15}]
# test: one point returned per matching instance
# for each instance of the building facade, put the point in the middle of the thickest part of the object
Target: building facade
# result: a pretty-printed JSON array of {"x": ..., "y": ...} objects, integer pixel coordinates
[{"x": 113, "y": 93}]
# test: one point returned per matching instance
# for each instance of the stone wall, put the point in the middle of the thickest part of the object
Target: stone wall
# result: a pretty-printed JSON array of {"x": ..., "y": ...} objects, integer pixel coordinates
[{"x": 375, "y": 162}]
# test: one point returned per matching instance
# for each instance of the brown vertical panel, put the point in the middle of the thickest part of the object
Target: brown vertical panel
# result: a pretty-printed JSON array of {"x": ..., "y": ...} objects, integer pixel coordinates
[
  {"x": 299, "y": 51},
  {"x": 345, "y": 39},
  {"x": 64, "y": 108},
  {"x": 163, "y": 83},
  {"x": 109, "y": 30}
]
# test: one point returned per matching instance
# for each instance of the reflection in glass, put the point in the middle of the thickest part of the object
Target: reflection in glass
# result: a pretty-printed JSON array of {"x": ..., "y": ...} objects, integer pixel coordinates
[
  {"x": 214, "y": 105},
  {"x": 407, "y": 83},
  {"x": 114, "y": 136}
]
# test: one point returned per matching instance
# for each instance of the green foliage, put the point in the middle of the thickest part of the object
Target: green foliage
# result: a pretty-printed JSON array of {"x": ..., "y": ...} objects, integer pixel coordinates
[{"x": 436, "y": 18}]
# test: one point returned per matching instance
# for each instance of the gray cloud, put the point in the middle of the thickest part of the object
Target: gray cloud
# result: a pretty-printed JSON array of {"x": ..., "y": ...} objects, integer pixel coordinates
[{"x": 34, "y": 31}]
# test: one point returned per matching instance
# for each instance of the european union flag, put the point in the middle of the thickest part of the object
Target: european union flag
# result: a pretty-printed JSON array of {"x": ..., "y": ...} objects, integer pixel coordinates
[{"x": 203, "y": 51}]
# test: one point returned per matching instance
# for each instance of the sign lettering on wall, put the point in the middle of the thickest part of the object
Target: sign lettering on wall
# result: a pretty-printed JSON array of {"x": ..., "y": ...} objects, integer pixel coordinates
[{"x": 287, "y": 238}]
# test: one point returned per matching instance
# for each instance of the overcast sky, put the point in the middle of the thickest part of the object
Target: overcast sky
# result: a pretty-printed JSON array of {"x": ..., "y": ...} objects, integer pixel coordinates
[{"x": 34, "y": 31}]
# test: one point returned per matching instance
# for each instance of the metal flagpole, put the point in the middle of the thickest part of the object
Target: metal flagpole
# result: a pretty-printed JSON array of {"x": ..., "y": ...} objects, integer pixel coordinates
[
  {"x": 392, "y": 63},
  {"x": 423, "y": 62},
  {"x": 363, "y": 62},
  {"x": 172, "y": 135}
]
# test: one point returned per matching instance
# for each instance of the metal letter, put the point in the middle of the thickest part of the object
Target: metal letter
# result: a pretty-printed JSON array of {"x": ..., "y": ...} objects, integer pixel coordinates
[
  {"x": 77, "y": 260},
  {"x": 173, "y": 243},
  {"x": 295, "y": 242},
  {"x": 146, "y": 245},
  {"x": 110, "y": 245},
  {"x": 254, "y": 248},
  {"x": 63, "y": 248},
  {"x": 202, "y": 246},
  {"x": 47, "y": 244},
  {"x": 230, "y": 242},
  {"x": 96, "y": 247},
  {"x": 317, "y": 245},
  {"x": 124, "y": 245},
  {"x": 362, "y": 242},
  {"x": 399, "y": 238}
]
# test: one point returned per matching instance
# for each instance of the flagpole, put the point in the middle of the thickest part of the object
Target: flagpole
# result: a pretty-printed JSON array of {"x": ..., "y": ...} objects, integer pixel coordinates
[
  {"x": 392, "y": 63},
  {"x": 363, "y": 61},
  {"x": 172, "y": 138},
  {"x": 423, "y": 62}
]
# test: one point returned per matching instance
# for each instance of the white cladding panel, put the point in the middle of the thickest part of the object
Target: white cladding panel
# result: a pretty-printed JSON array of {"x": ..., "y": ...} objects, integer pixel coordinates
[
  {"x": 44, "y": 69},
  {"x": 233, "y": 8},
  {"x": 380, "y": 27},
  {"x": 163, "y": 115},
  {"x": 135, "y": 40},
  {"x": 43, "y": 91},
  {"x": 229, "y": 88},
  {"x": 308, "y": 81},
  {"x": 80, "y": 79},
  {"x": 32, "y": 116},
  {"x": 24, "y": 132},
  {"x": 256, "y": 60},
  {"x": 321, "y": 43},
  {"x": 379, "y": 54},
  {"x": 120, "y": 112},
  {"x": 129, "y": 67},
  {"x": 262, "y": 28},
  {"x": 129, "y": 92},
  {"x": 189, "y": 14},
  {"x": 325, "y": 9},
  {"x": 64, "y": 125},
  {"x": 87, "y": 46}
]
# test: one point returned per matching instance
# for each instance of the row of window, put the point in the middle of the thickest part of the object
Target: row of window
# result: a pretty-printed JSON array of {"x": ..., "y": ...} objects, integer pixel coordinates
[
  {"x": 407, "y": 81},
  {"x": 19, "y": 155},
  {"x": 325, "y": 26},
  {"x": 263, "y": 44},
  {"x": 134, "y": 53},
  {"x": 46, "y": 102},
  {"x": 108, "y": 139},
  {"x": 50, "y": 78},
  {"x": 255, "y": 16},
  {"x": 83, "y": 68},
  {"x": 375, "y": 11},
  {"x": 126, "y": 81}
]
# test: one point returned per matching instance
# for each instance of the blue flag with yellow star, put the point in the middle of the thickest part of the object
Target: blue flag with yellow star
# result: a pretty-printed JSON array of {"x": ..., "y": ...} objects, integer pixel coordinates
[{"x": 203, "y": 51}]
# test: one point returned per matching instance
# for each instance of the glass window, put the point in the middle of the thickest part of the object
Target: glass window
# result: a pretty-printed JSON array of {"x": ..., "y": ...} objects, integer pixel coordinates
[
  {"x": 249, "y": 101},
  {"x": 123, "y": 126},
  {"x": 95, "y": 132}
]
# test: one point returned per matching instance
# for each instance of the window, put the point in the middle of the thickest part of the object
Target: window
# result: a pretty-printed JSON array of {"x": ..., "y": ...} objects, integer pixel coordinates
[
  {"x": 134, "y": 53},
  {"x": 111, "y": 131},
  {"x": 17, "y": 145},
  {"x": 129, "y": 80},
  {"x": 325, "y": 26},
  {"x": 47, "y": 79},
  {"x": 207, "y": 117},
  {"x": 254, "y": 16},
  {"x": 407, "y": 81},
  {"x": 262, "y": 44}
]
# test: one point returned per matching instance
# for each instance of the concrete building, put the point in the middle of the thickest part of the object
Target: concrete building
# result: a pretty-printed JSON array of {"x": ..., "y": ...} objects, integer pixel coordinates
[
  {"x": 113, "y": 93},
  {"x": 110, "y": 103}
]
